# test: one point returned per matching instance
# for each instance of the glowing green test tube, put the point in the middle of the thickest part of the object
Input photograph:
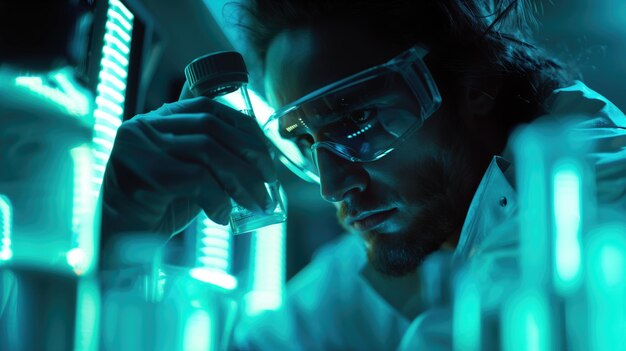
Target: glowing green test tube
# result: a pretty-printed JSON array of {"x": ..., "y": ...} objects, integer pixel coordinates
[
  {"x": 555, "y": 188},
  {"x": 605, "y": 287}
]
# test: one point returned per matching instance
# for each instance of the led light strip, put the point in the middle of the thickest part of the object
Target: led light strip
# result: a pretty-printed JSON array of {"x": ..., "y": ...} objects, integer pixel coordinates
[
  {"x": 6, "y": 217},
  {"x": 111, "y": 90},
  {"x": 605, "y": 286},
  {"x": 567, "y": 221},
  {"x": 82, "y": 255},
  {"x": 67, "y": 97},
  {"x": 268, "y": 260},
  {"x": 213, "y": 254}
]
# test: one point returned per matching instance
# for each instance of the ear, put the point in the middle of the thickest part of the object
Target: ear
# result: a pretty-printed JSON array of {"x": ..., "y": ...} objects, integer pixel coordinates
[{"x": 476, "y": 102}]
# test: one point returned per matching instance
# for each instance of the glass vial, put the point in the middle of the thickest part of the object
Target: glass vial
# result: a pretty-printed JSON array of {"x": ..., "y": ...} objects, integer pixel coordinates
[{"x": 223, "y": 77}]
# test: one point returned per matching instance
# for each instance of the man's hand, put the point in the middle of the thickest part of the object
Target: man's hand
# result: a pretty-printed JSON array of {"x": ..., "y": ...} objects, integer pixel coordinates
[{"x": 168, "y": 164}]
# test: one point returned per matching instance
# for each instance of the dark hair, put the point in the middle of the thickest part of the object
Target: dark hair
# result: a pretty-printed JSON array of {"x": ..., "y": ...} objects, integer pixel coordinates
[{"x": 468, "y": 40}]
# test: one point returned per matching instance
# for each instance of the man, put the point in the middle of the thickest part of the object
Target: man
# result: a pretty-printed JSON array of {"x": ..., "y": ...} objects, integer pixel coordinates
[{"x": 400, "y": 108}]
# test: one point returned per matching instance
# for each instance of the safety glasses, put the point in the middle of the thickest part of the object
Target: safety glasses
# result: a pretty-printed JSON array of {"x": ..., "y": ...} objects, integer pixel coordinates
[{"x": 361, "y": 118}]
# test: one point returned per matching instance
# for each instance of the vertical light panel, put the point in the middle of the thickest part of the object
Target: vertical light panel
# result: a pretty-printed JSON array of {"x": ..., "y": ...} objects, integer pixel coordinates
[
  {"x": 268, "y": 246},
  {"x": 60, "y": 89},
  {"x": 466, "y": 324},
  {"x": 87, "y": 315},
  {"x": 567, "y": 224},
  {"x": 263, "y": 112},
  {"x": 197, "y": 334},
  {"x": 606, "y": 287},
  {"x": 111, "y": 90},
  {"x": 213, "y": 254},
  {"x": 527, "y": 316},
  {"x": 81, "y": 256},
  {"x": 6, "y": 218},
  {"x": 525, "y": 322},
  {"x": 268, "y": 269},
  {"x": 534, "y": 211}
]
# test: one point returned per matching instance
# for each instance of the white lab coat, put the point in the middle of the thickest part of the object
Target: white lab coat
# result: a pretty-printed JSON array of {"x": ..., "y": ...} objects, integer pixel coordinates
[{"x": 330, "y": 306}]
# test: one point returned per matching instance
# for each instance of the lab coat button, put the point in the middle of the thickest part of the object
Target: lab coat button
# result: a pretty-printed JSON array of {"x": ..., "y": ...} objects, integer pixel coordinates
[{"x": 503, "y": 201}]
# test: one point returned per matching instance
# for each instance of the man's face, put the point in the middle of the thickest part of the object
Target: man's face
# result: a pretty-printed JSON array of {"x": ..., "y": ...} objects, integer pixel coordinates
[{"x": 410, "y": 202}]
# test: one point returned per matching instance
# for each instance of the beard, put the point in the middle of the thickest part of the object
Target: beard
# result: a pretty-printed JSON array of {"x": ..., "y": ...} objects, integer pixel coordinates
[{"x": 444, "y": 186}]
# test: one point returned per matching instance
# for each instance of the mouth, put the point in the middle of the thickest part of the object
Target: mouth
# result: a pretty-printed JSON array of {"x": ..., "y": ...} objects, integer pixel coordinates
[{"x": 370, "y": 219}]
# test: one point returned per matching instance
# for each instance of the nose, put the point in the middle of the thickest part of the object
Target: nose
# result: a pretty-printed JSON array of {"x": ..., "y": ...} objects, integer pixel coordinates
[{"x": 338, "y": 176}]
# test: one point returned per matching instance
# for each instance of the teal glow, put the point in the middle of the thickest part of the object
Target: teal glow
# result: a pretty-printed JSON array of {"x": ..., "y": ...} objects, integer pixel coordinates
[
  {"x": 106, "y": 77},
  {"x": 606, "y": 287},
  {"x": 104, "y": 142},
  {"x": 114, "y": 94},
  {"x": 87, "y": 316},
  {"x": 197, "y": 335},
  {"x": 82, "y": 255},
  {"x": 526, "y": 322},
  {"x": 533, "y": 201},
  {"x": 117, "y": 6},
  {"x": 466, "y": 315},
  {"x": 213, "y": 254},
  {"x": 118, "y": 30},
  {"x": 105, "y": 130},
  {"x": 127, "y": 332},
  {"x": 116, "y": 68},
  {"x": 111, "y": 90},
  {"x": 111, "y": 105},
  {"x": 60, "y": 89},
  {"x": 612, "y": 265},
  {"x": 6, "y": 218},
  {"x": 262, "y": 110},
  {"x": 215, "y": 277},
  {"x": 234, "y": 100},
  {"x": 109, "y": 120},
  {"x": 214, "y": 245},
  {"x": 77, "y": 258},
  {"x": 117, "y": 43},
  {"x": 268, "y": 269},
  {"x": 567, "y": 221},
  {"x": 121, "y": 19}
]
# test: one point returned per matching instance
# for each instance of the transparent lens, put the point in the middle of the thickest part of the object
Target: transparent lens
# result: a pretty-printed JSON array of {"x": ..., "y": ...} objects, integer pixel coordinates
[
  {"x": 361, "y": 118},
  {"x": 360, "y": 121}
]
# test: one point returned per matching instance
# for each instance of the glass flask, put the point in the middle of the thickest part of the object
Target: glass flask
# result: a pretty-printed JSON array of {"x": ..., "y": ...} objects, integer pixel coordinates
[{"x": 223, "y": 77}]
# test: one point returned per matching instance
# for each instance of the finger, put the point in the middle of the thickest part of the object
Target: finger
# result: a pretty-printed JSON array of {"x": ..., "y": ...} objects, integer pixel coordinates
[
  {"x": 215, "y": 203},
  {"x": 145, "y": 149},
  {"x": 182, "y": 123},
  {"x": 199, "y": 104},
  {"x": 193, "y": 105},
  {"x": 205, "y": 105},
  {"x": 243, "y": 182},
  {"x": 145, "y": 167},
  {"x": 247, "y": 147}
]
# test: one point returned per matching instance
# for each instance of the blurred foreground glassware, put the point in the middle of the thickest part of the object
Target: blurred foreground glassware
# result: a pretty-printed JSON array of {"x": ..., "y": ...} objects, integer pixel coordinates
[
  {"x": 555, "y": 184},
  {"x": 184, "y": 314},
  {"x": 48, "y": 236}
]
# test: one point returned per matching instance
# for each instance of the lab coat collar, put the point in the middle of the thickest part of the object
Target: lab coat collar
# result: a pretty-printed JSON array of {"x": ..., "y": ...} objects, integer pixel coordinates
[{"x": 494, "y": 203}]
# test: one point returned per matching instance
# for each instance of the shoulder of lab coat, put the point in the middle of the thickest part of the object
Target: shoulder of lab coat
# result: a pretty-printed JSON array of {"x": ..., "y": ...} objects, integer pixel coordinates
[{"x": 493, "y": 253}]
